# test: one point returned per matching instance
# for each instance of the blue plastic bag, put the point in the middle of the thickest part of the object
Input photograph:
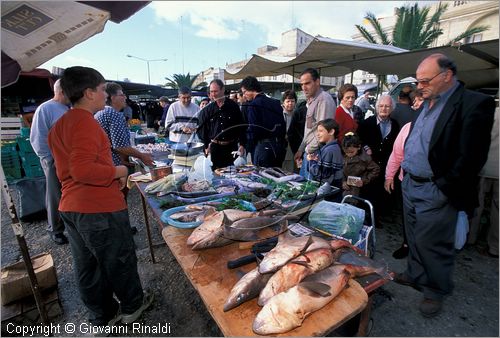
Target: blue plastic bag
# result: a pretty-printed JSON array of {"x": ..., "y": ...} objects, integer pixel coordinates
[{"x": 461, "y": 230}]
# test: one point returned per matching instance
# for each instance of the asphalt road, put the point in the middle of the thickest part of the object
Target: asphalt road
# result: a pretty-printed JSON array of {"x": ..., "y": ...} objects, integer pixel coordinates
[{"x": 472, "y": 310}]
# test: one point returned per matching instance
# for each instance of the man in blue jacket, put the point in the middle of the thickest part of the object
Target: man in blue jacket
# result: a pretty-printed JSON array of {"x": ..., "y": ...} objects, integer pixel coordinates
[{"x": 266, "y": 125}]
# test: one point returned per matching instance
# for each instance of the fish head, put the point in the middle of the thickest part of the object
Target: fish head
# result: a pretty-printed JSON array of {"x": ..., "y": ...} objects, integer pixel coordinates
[{"x": 274, "y": 318}]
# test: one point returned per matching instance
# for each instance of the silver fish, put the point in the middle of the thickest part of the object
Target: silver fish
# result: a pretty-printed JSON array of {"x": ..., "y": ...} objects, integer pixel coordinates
[
  {"x": 288, "y": 247},
  {"x": 360, "y": 265},
  {"x": 246, "y": 288},
  {"x": 287, "y": 310}
]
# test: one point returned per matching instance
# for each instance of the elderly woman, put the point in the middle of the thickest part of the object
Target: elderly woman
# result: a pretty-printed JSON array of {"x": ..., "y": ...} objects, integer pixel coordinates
[
  {"x": 378, "y": 133},
  {"x": 346, "y": 113}
]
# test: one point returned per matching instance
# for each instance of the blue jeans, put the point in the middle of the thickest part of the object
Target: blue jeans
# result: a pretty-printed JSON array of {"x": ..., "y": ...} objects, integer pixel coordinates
[{"x": 304, "y": 169}]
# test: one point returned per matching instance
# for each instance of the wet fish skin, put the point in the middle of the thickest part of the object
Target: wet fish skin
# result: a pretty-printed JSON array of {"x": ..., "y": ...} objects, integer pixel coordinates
[
  {"x": 361, "y": 263},
  {"x": 340, "y": 243},
  {"x": 287, "y": 310},
  {"x": 209, "y": 225},
  {"x": 246, "y": 288},
  {"x": 288, "y": 247},
  {"x": 295, "y": 271},
  {"x": 318, "y": 243}
]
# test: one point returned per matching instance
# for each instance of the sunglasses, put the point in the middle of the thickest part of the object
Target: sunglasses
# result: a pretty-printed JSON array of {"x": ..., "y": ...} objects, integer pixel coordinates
[{"x": 426, "y": 82}]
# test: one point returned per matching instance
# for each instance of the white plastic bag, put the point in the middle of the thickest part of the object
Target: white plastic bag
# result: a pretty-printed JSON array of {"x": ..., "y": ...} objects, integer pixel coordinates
[
  {"x": 461, "y": 230},
  {"x": 202, "y": 170},
  {"x": 241, "y": 160}
]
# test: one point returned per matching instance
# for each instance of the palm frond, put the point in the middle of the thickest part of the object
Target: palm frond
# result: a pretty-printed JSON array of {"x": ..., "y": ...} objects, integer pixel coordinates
[
  {"x": 467, "y": 33},
  {"x": 368, "y": 37},
  {"x": 384, "y": 39}
]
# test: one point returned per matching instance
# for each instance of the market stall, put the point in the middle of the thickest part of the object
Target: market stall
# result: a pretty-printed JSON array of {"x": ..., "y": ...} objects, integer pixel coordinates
[{"x": 254, "y": 207}]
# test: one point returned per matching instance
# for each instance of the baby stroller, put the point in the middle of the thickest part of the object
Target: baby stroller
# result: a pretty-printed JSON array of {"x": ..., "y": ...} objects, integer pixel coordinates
[{"x": 366, "y": 241}]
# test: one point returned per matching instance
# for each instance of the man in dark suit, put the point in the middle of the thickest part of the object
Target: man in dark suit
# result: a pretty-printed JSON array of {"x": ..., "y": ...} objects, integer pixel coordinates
[
  {"x": 444, "y": 152},
  {"x": 266, "y": 125},
  {"x": 379, "y": 132}
]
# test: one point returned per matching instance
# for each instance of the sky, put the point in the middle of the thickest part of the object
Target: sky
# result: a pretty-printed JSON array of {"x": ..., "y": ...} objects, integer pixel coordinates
[{"x": 196, "y": 35}]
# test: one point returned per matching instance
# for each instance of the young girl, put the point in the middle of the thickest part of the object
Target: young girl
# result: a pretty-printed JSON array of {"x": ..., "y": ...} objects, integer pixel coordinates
[
  {"x": 359, "y": 168},
  {"x": 325, "y": 165}
]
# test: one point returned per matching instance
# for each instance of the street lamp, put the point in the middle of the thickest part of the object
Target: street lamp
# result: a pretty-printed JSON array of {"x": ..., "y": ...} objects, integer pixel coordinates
[{"x": 147, "y": 61}]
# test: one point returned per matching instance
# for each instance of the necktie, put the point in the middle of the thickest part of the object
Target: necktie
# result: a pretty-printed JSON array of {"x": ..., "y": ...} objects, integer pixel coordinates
[{"x": 384, "y": 128}]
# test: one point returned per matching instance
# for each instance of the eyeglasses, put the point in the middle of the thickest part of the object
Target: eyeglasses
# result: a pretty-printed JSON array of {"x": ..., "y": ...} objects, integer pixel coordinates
[{"x": 426, "y": 82}]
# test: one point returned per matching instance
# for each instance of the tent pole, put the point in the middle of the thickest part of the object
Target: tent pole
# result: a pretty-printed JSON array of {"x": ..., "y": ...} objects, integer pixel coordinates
[
  {"x": 23, "y": 246},
  {"x": 293, "y": 77}
]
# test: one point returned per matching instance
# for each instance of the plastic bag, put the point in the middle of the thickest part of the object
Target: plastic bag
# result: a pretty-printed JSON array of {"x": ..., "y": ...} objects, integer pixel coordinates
[
  {"x": 202, "y": 170},
  {"x": 339, "y": 219},
  {"x": 461, "y": 230},
  {"x": 241, "y": 160}
]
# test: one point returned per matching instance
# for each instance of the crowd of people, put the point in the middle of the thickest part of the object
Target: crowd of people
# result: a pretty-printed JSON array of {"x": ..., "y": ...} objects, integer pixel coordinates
[{"x": 422, "y": 158}]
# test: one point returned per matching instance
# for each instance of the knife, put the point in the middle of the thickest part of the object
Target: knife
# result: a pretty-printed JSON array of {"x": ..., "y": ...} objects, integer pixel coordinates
[{"x": 244, "y": 260}]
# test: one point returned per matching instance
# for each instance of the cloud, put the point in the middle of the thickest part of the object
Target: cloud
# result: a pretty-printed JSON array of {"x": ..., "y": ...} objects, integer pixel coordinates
[{"x": 230, "y": 20}]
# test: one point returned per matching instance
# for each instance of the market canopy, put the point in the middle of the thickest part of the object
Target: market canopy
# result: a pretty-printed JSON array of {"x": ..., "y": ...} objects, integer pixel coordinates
[
  {"x": 319, "y": 54},
  {"x": 33, "y": 32},
  {"x": 477, "y": 63}
]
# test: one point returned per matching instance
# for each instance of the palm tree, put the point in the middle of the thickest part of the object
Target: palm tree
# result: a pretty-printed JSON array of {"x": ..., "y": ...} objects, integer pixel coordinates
[
  {"x": 181, "y": 80},
  {"x": 413, "y": 29}
]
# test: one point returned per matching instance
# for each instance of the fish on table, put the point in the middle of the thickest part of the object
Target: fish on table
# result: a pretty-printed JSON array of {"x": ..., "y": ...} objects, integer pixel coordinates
[
  {"x": 248, "y": 287},
  {"x": 287, "y": 310},
  {"x": 293, "y": 272},
  {"x": 360, "y": 265},
  {"x": 288, "y": 247}
]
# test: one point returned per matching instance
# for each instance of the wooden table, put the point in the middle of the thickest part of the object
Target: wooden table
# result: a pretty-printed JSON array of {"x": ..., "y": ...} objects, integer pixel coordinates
[{"x": 207, "y": 272}]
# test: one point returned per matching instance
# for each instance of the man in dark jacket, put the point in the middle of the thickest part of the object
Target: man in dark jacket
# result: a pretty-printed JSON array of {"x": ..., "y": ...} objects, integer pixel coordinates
[
  {"x": 266, "y": 126},
  {"x": 444, "y": 152}
]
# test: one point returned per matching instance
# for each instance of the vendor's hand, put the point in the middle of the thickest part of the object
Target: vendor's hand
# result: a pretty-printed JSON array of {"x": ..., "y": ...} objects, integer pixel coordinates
[
  {"x": 187, "y": 130},
  {"x": 147, "y": 159},
  {"x": 312, "y": 157},
  {"x": 359, "y": 183},
  {"x": 345, "y": 186},
  {"x": 389, "y": 185},
  {"x": 207, "y": 150},
  {"x": 298, "y": 156}
]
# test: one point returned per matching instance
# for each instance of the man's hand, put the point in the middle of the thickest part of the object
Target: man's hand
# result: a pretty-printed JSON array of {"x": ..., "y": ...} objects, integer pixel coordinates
[
  {"x": 241, "y": 150},
  {"x": 147, "y": 159},
  {"x": 389, "y": 185},
  {"x": 298, "y": 156},
  {"x": 122, "y": 182}
]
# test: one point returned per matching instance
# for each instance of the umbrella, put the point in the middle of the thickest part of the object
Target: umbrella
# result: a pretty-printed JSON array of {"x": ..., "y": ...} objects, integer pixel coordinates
[{"x": 33, "y": 32}]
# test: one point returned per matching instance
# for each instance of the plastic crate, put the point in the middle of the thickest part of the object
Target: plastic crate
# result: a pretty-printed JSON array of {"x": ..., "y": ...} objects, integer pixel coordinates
[
  {"x": 11, "y": 163},
  {"x": 9, "y": 147},
  {"x": 24, "y": 145},
  {"x": 12, "y": 173},
  {"x": 30, "y": 159},
  {"x": 33, "y": 171},
  {"x": 25, "y": 132}
]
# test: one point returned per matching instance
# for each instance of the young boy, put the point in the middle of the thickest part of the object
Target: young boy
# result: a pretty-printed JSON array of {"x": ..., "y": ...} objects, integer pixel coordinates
[
  {"x": 325, "y": 165},
  {"x": 92, "y": 205}
]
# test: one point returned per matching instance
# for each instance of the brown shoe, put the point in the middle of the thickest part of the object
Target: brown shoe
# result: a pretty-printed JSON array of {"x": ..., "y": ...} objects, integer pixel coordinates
[
  {"x": 430, "y": 308},
  {"x": 402, "y": 279}
]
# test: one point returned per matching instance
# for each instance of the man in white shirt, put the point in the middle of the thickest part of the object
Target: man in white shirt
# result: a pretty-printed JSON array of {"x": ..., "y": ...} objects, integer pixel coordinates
[
  {"x": 182, "y": 117},
  {"x": 45, "y": 117}
]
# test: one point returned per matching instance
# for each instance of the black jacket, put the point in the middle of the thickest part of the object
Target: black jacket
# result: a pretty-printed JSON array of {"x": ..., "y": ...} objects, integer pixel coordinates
[
  {"x": 459, "y": 146},
  {"x": 295, "y": 132}
]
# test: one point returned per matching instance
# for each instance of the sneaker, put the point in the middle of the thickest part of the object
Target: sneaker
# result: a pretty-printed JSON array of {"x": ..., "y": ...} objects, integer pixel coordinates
[
  {"x": 146, "y": 303},
  {"x": 430, "y": 307},
  {"x": 59, "y": 238}
]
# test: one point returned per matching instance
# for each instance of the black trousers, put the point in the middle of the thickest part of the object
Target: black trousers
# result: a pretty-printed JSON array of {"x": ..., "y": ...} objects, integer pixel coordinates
[
  {"x": 269, "y": 154},
  {"x": 105, "y": 263},
  {"x": 221, "y": 154}
]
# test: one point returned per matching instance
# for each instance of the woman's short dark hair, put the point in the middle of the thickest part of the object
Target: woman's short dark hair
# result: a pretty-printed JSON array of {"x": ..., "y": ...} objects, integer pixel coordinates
[
  {"x": 75, "y": 80},
  {"x": 347, "y": 87},
  {"x": 289, "y": 94},
  {"x": 330, "y": 124},
  {"x": 351, "y": 140}
]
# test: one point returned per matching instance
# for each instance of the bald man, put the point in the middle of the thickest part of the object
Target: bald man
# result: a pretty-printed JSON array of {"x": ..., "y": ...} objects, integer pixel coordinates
[
  {"x": 45, "y": 117},
  {"x": 444, "y": 152}
]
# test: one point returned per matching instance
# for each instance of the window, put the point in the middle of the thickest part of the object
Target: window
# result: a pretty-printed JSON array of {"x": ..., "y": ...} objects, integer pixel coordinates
[{"x": 474, "y": 38}]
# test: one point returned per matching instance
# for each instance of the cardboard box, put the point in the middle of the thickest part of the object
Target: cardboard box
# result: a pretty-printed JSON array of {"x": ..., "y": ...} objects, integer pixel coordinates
[{"x": 15, "y": 281}]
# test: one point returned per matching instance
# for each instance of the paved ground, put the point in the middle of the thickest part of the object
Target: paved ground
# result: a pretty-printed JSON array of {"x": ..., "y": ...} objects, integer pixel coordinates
[{"x": 472, "y": 310}]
